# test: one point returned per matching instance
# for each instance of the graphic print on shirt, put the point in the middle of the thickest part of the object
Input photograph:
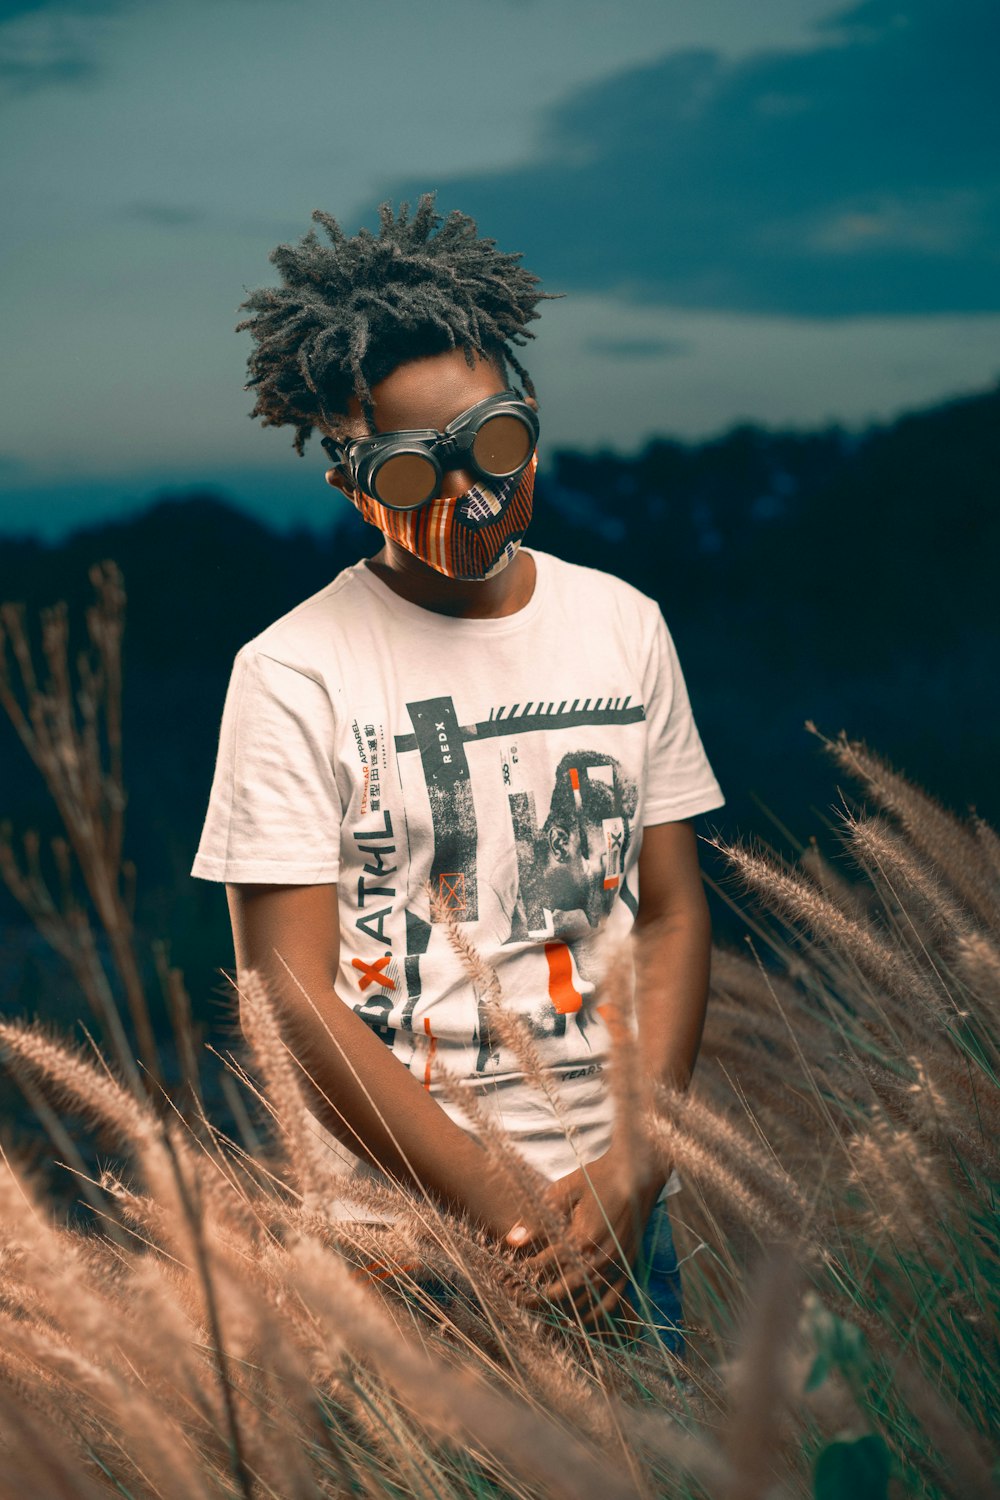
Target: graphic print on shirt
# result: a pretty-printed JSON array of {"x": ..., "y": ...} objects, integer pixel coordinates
[
  {"x": 441, "y": 741},
  {"x": 562, "y": 823},
  {"x": 441, "y": 745},
  {"x": 573, "y": 862},
  {"x": 570, "y": 872},
  {"x": 377, "y": 848}
]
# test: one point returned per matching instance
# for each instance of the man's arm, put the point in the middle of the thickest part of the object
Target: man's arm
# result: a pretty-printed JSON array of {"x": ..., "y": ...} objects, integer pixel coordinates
[
  {"x": 376, "y": 1106},
  {"x": 673, "y": 935}
]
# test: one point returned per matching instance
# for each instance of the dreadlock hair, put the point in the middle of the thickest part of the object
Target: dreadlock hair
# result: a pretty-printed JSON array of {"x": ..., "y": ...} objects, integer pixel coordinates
[{"x": 351, "y": 311}]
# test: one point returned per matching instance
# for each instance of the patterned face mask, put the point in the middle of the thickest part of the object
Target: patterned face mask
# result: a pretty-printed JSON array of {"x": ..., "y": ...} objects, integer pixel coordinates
[{"x": 471, "y": 537}]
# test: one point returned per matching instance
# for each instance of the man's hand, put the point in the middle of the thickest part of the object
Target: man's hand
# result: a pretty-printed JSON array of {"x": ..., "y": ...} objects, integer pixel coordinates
[{"x": 604, "y": 1209}]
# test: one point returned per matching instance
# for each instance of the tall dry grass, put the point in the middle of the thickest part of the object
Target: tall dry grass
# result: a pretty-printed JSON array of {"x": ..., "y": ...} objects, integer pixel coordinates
[{"x": 215, "y": 1333}]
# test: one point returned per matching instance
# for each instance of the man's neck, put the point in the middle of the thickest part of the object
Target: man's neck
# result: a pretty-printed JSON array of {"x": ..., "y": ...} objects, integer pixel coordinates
[{"x": 492, "y": 598}]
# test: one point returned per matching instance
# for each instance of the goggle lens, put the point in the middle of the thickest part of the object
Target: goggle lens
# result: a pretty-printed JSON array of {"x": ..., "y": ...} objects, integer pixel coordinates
[
  {"x": 406, "y": 480},
  {"x": 502, "y": 444}
]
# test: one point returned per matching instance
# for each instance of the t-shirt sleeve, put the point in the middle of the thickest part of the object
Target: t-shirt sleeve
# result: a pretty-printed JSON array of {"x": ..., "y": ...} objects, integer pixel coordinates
[
  {"x": 680, "y": 782},
  {"x": 274, "y": 812}
]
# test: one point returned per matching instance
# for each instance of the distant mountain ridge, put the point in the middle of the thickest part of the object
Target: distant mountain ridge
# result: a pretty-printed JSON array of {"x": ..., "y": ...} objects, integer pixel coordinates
[{"x": 677, "y": 513}]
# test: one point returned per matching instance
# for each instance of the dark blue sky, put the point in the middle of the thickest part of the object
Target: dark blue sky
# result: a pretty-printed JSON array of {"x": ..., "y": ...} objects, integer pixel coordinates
[{"x": 788, "y": 212}]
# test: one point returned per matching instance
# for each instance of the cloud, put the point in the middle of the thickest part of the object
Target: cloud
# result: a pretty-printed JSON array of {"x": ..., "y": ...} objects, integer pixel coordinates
[
  {"x": 637, "y": 348},
  {"x": 857, "y": 177},
  {"x": 19, "y": 73},
  {"x": 164, "y": 215},
  {"x": 12, "y": 10},
  {"x": 44, "y": 42}
]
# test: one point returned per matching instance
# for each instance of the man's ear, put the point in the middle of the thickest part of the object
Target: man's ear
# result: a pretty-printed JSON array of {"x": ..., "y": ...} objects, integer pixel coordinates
[
  {"x": 335, "y": 478},
  {"x": 559, "y": 842}
]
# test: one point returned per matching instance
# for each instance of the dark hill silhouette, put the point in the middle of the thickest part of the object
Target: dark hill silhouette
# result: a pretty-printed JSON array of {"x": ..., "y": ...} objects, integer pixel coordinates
[
  {"x": 844, "y": 578},
  {"x": 202, "y": 575},
  {"x": 776, "y": 520}
]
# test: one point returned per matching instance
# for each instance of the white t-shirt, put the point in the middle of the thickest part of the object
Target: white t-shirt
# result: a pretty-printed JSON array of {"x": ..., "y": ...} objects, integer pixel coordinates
[{"x": 508, "y": 764}]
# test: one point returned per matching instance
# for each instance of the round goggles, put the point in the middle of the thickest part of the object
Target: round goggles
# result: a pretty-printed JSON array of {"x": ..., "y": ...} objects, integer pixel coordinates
[{"x": 494, "y": 439}]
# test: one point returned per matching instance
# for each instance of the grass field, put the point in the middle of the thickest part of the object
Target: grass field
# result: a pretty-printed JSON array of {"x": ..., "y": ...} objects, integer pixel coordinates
[{"x": 213, "y": 1333}]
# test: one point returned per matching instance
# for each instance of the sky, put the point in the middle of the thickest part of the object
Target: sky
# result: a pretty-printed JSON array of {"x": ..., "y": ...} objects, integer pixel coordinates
[{"x": 786, "y": 212}]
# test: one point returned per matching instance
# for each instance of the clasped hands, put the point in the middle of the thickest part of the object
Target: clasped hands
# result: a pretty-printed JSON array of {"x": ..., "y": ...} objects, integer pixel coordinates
[{"x": 604, "y": 1208}]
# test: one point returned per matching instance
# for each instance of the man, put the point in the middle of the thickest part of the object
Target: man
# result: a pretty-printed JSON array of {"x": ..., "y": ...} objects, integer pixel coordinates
[{"x": 458, "y": 732}]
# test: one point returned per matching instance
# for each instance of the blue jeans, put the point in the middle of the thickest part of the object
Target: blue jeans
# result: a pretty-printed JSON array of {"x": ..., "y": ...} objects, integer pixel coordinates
[{"x": 657, "y": 1277}]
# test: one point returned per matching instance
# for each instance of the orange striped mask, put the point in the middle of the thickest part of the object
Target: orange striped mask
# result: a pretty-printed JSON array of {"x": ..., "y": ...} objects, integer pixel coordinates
[{"x": 472, "y": 536}]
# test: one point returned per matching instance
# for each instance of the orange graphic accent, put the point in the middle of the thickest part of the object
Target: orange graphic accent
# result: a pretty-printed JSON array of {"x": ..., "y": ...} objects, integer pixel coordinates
[
  {"x": 379, "y": 1272},
  {"x": 565, "y": 997},
  {"x": 372, "y": 973},
  {"x": 574, "y": 778},
  {"x": 451, "y": 889},
  {"x": 611, "y": 883},
  {"x": 430, "y": 1053}
]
